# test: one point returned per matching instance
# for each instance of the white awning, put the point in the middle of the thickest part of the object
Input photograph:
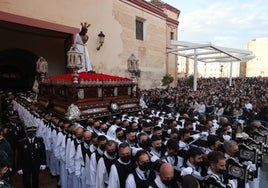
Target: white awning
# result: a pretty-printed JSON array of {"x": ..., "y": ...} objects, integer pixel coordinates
[{"x": 209, "y": 53}]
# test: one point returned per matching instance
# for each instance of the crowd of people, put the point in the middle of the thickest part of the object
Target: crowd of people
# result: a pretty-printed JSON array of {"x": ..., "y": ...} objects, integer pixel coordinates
[
  {"x": 180, "y": 138},
  {"x": 245, "y": 98}
]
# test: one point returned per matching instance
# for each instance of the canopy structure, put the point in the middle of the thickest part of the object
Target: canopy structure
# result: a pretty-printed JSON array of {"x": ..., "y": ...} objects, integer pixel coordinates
[{"x": 209, "y": 53}]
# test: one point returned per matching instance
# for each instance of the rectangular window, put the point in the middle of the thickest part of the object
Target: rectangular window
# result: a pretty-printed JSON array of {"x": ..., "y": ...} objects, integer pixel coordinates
[
  {"x": 171, "y": 35},
  {"x": 139, "y": 29}
]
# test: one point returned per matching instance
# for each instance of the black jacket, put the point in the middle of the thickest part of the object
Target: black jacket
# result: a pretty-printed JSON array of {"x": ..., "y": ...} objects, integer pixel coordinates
[{"x": 31, "y": 155}]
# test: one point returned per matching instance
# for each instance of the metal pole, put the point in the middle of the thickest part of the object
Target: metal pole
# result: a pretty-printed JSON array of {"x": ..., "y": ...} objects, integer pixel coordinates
[
  {"x": 231, "y": 71},
  {"x": 195, "y": 70}
]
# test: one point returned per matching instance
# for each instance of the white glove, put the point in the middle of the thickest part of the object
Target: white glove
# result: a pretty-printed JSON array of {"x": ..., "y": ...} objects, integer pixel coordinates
[
  {"x": 186, "y": 171},
  {"x": 250, "y": 165},
  {"x": 42, "y": 167},
  {"x": 247, "y": 163},
  {"x": 20, "y": 172},
  {"x": 195, "y": 136},
  {"x": 204, "y": 134},
  {"x": 245, "y": 135}
]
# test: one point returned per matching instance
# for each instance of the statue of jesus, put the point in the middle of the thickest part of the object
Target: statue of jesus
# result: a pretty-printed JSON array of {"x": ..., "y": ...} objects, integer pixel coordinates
[{"x": 80, "y": 41}]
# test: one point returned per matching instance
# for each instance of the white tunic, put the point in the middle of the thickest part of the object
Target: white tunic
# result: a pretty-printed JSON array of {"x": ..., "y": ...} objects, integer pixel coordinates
[
  {"x": 93, "y": 168},
  {"x": 130, "y": 182},
  {"x": 102, "y": 176},
  {"x": 113, "y": 177},
  {"x": 85, "y": 58}
]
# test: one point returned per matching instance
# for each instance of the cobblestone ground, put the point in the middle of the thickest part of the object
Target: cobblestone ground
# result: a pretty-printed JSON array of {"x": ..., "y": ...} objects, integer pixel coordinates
[{"x": 46, "y": 181}]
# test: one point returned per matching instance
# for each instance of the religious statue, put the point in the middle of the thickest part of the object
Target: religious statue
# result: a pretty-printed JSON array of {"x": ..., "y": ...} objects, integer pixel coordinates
[{"x": 80, "y": 42}]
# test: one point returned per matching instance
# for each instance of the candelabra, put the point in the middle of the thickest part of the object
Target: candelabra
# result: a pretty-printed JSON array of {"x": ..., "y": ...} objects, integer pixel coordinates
[{"x": 74, "y": 62}]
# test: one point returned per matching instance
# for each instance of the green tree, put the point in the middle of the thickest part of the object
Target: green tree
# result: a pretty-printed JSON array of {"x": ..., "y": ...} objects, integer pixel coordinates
[
  {"x": 167, "y": 80},
  {"x": 190, "y": 80}
]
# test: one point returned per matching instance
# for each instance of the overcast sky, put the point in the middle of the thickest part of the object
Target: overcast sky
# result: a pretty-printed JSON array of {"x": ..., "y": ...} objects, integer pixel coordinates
[{"x": 228, "y": 23}]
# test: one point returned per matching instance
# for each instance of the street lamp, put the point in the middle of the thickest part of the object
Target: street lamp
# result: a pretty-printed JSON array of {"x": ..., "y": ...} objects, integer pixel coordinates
[{"x": 101, "y": 40}]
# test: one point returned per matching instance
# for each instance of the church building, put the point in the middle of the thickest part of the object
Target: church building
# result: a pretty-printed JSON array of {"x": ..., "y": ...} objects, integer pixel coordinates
[{"x": 119, "y": 30}]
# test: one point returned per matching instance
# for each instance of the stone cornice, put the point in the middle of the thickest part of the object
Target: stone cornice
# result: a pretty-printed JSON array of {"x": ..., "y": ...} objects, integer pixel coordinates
[
  {"x": 170, "y": 8},
  {"x": 156, "y": 9},
  {"x": 170, "y": 20},
  {"x": 148, "y": 6}
]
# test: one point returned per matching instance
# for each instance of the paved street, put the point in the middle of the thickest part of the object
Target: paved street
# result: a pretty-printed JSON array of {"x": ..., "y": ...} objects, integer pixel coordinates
[{"x": 46, "y": 181}]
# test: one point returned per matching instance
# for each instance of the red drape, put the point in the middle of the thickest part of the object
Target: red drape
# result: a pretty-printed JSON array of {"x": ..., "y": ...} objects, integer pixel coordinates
[{"x": 87, "y": 77}]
